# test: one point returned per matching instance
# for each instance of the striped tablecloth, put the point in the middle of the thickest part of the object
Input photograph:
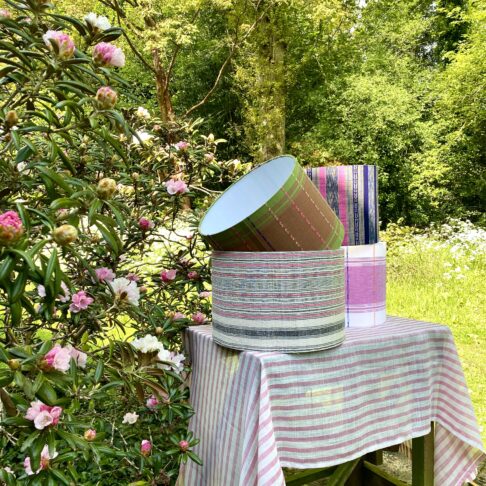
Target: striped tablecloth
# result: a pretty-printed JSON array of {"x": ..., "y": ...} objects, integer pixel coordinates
[{"x": 257, "y": 412}]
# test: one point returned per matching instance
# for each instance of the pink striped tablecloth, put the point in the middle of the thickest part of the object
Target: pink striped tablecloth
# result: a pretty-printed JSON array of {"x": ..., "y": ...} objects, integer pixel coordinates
[{"x": 256, "y": 412}]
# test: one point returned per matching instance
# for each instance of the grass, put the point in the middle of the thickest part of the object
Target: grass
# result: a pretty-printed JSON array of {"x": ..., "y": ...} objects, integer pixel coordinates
[{"x": 441, "y": 277}]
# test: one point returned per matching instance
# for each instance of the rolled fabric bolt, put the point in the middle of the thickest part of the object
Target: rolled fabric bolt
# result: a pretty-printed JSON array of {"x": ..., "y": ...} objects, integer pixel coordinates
[
  {"x": 365, "y": 284},
  {"x": 291, "y": 302},
  {"x": 275, "y": 207},
  {"x": 352, "y": 193}
]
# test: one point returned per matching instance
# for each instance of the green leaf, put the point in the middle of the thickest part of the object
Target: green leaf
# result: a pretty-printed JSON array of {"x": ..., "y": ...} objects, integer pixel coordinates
[
  {"x": 60, "y": 475},
  {"x": 6, "y": 267},
  {"x": 16, "y": 290},
  {"x": 6, "y": 375},
  {"x": 23, "y": 154},
  {"x": 99, "y": 371},
  {"x": 26, "y": 257},
  {"x": 52, "y": 265},
  {"x": 64, "y": 202},
  {"x": 26, "y": 443},
  {"x": 47, "y": 393},
  {"x": 109, "y": 237},
  {"x": 55, "y": 178}
]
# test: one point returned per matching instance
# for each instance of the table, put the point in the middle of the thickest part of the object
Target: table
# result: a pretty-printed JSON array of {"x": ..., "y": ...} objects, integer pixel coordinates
[{"x": 256, "y": 412}]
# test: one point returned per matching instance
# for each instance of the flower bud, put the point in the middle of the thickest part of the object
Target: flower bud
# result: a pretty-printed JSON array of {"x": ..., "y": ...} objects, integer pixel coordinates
[
  {"x": 11, "y": 228},
  {"x": 211, "y": 138},
  {"x": 135, "y": 176},
  {"x": 106, "y": 98},
  {"x": 65, "y": 234},
  {"x": 145, "y": 447},
  {"x": 14, "y": 364},
  {"x": 90, "y": 435},
  {"x": 11, "y": 118},
  {"x": 184, "y": 445},
  {"x": 158, "y": 331},
  {"x": 106, "y": 188}
]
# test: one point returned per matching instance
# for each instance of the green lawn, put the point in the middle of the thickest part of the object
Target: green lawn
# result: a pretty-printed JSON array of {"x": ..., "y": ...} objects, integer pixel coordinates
[{"x": 442, "y": 278}]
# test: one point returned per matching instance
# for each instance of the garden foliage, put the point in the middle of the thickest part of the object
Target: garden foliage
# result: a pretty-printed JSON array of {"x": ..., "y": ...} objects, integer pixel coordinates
[{"x": 99, "y": 271}]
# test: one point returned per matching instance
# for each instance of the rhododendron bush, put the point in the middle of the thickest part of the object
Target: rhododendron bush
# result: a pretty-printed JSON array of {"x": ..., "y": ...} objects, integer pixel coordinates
[{"x": 100, "y": 267}]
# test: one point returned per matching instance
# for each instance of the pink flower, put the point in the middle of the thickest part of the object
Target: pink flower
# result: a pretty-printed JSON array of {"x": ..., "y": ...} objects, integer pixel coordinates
[
  {"x": 182, "y": 146},
  {"x": 66, "y": 295},
  {"x": 105, "y": 274},
  {"x": 5, "y": 14},
  {"x": 193, "y": 275},
  {"x": 80, "y": 302},
  {"x": 41, "y": 291},
  {"x": 11, "y": 228},
  {"x": 58, "y": 358},
  {"x": 145, "y": 447},
  {"x": 78, "y": 356},
  {"x": 198, "y": 318},
  {"x": 43, "y": 415},
  {"x": 209, "y": 157},
  {"x": 204, "y": 294},
  {"x": 168, "y": 275},
  {"x": 133, "y": 277},
  {"x": 64, "y": 45},
  {"x": 183, "y": 445},
  {"x": 176, "y": 186},
  {"x": 106, "y": 54},
  {"x": 152, "y": 402},
  {"x": 106, "y": 98},
  {"x": 145, "y": 224},
  {"x": 90, "y": 435},
  {"x": 178, "y": 316},
  {"x": 44, "y": 461}
]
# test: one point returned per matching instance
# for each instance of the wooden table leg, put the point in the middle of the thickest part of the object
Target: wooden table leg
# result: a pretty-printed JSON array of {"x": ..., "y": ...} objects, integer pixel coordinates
[{"x": 423, "y": 459}]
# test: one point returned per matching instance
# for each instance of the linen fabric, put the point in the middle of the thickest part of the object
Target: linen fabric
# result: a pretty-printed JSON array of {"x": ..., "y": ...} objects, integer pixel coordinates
[
  {"x": 278, "y": 301},
  {"x": 258, "y": 412},
  {"x": 297, "y": 217},
  {"x": 365, "y": 284},
  {"x": 352, "y": 193}
]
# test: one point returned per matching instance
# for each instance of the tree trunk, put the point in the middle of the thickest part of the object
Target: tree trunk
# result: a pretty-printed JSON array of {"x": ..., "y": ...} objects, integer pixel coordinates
[{"x": 162, "y": 86}]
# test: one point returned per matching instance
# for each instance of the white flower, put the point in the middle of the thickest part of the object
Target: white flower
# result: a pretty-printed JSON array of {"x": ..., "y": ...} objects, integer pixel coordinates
[
  {"x": 125, "y": 290},
  {"x": 164, "y": 355},
  {"x": 143, "y": 136},
  {"x": 143, "y": 113},
  {"x": 98, "y": 22},
  {"x": 178, "y": 359},
  {"x": 41, "y": 291},
  {"x": 67, "y": 295},
  {"x": 175, "y": 360},
  {"x": 43, "y": 420},
  {"x": 147, "y": 344},
  {"x": 130, "y": 418}
]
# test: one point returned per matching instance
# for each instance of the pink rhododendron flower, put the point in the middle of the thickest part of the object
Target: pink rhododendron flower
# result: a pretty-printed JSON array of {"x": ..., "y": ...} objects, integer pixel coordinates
[
  {"x": 66, "y": 296},
  {"x": 105, "y": 274},
  {"x": 193, "y": 275},
  {"x": 198, "y": 318},
  {"x": 145, "y": 224},
  {"x": 204, "y": 294},
  {"x": 145, "y": 447},
  {"x": 58, "y": 358},
  {"x": 106, "y": 98},
  {"x": 133, "y": 277},
  {"x": 106, "y": 54},
  {"x": 178, "y": 316},
  {"x": 64, "y": 43},
  {"x": 78, "y": 356},
  {"x": 43, "y": 415},
  {"x": 80, "y": 301},
  {"x": 5, "y": 14},
  {"x": 183, "y": 445},
  {"x": 176, "y": 186},
  {"x": 182, "y": 146},
  {"x": 90, "y": 435},
  {"x": 11, "y": 228},
  {"x": 168, "y": 275},
  {"x": 152, "y": 402},
  {"x": 44, "y": 461}
]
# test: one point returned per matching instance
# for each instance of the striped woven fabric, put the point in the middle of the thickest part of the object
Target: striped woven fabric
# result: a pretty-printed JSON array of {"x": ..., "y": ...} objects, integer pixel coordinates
[
  {"x": 279, "y": 301},
  {"x": 297, "y": 217},
  {"x": 258, "y": 412},
  {"x": 352, "y": 193},
  {"x": 365, "y": 283}
]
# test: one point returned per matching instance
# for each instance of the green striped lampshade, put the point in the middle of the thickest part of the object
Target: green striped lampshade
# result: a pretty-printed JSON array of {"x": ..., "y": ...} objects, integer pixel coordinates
[
  {"x": 291, "y": 302},
  {"x": 275, "y": 207}
]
